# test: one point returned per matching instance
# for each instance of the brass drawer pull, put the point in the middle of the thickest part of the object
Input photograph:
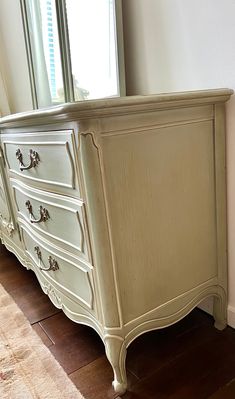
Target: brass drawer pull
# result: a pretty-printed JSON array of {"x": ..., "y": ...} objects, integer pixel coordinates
[
  {"x": 34, "y": 159},
  {"x": 53, "y": 264},
  {"x": 44, "y": 214}
]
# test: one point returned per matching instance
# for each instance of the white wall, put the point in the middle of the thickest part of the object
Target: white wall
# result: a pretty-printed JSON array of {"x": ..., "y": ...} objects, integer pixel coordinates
[
  {"x": 13, "y": 59},
  {"x": 177, "y": 45}
]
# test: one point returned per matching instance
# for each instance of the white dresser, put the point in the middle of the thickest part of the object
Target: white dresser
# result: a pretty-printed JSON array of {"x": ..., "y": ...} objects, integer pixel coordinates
[{"x": 119, "y": 207}]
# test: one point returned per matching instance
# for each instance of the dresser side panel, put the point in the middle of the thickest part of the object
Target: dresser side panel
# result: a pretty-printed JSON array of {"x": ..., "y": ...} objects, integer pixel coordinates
[{"x": 160, "y": 185}]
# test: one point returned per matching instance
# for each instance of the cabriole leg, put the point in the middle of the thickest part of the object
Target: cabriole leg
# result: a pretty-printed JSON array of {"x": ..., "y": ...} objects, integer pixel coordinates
[
  {"x": 220, "y": 311},
  {"x": 115, "y": 349}
]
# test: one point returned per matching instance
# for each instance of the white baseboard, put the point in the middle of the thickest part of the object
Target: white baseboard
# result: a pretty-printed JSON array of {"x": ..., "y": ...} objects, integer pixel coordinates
[
  {"x": 231, "y": 316},
  {"x": 207, "y": 306}
]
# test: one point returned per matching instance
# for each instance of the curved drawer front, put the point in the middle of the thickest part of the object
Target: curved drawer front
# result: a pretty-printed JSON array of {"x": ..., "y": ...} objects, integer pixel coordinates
[
  {"x": 43, "y": 157},
  {"x": 59, "y": 218},
  {"x": 6, "y": 223},
  {"x": 4, "y": 210},
  {"x": 71, "y": 278}
]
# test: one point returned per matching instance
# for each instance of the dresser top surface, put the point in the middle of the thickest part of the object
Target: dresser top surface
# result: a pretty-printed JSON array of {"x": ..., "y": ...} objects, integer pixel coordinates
[{"x": 115, "y": 106}]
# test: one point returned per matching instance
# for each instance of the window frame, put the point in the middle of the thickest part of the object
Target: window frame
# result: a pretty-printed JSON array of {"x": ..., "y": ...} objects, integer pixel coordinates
[{"x": 66, "y": 64}]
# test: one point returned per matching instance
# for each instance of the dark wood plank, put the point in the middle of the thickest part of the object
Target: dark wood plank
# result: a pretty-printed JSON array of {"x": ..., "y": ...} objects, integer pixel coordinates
[
  {"x": 45, "y": 339},
  {"x": 33, "y": 302},
  {"x": 94, "y": 380},
  {"x": 78, "y": 349},
  {"x": 227, "y": 392},
  {"x": 195, "y": 374},
  {"x": 59, "y": 327},
  {"x": 155, "y": 349},
  {"x": 12, "y": 273},
  {"x": 14, "y": 279},
  {"x": 75, "y": 345},
  {"x": 4, "y": 251}
]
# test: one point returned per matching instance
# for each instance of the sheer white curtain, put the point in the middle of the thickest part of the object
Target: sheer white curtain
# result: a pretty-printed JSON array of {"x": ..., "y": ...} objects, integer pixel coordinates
[
  {"x": 4, "y": 104},
  {"x": 39, "y": 63}
]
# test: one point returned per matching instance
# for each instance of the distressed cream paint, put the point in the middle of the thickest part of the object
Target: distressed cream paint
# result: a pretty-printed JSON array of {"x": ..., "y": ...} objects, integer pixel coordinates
[{"x": 119, "y": 207}]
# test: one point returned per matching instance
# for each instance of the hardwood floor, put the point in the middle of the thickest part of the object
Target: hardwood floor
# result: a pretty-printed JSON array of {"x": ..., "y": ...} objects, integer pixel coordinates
[{"x": 189, "y": 360}]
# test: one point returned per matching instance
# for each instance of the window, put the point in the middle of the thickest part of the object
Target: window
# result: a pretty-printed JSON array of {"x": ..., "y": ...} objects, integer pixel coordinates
[{"x": 74, "y": 48}]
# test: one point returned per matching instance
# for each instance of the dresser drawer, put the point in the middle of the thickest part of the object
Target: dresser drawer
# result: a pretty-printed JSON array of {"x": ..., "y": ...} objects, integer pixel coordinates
[
  {"x": 62, "y": 220},
  {"x": 46, "y": 158},
  {"x": 5, "y": 216},
  {"x": 72, "y": 278}
]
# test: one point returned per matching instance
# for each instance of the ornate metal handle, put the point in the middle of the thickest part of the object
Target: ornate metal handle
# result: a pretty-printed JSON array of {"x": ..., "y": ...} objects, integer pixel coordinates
[
  {"x": 53, "y": 264},
  {"x": 34, "y": 159},
  {"x": 44, "y": 214}
]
